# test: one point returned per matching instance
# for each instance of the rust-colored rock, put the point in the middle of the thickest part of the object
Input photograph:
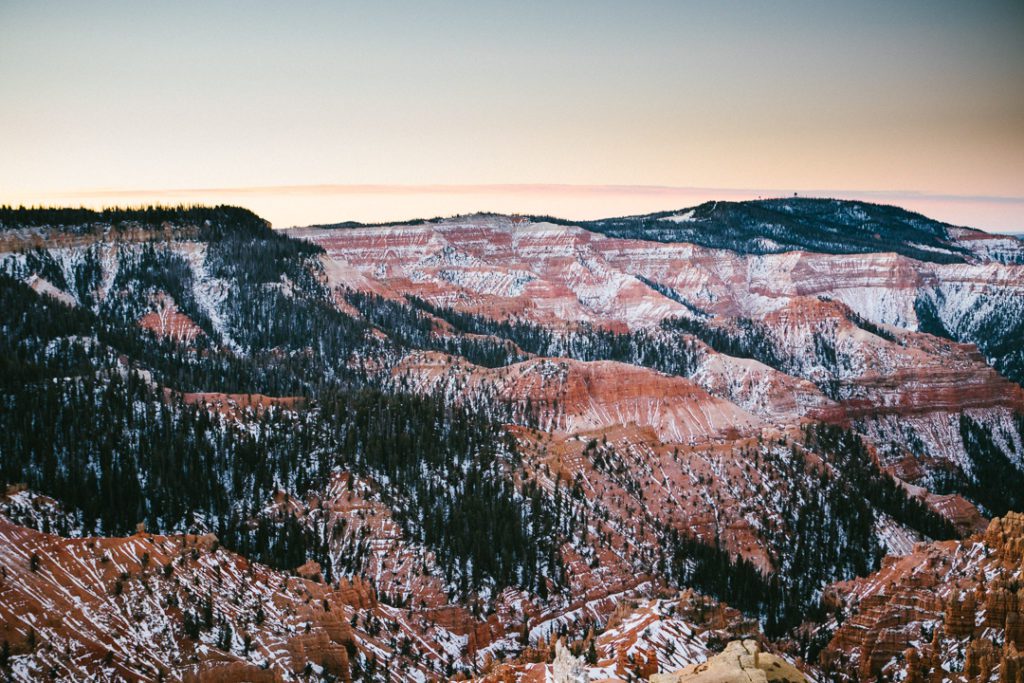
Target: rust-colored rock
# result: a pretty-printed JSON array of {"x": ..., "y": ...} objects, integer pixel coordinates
[
  {"x": 95, "y": 605},
  {"x": 940, "y": 596}
]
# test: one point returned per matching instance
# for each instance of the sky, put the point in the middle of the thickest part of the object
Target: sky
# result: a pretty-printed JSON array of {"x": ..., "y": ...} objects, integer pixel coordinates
[{"x": 314, "y": 112}]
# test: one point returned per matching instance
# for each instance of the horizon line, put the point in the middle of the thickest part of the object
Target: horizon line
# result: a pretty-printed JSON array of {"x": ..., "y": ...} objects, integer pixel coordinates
[{"x": 341, "y": 189}]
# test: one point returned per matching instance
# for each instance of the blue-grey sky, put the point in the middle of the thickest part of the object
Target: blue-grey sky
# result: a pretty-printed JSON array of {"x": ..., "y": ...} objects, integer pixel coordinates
[{"x": 318, "y": 111}]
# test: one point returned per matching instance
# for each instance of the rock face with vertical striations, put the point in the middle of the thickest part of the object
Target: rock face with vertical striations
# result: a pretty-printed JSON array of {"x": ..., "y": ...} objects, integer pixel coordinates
[
  {"x": 573, "y": 397},
  {"x": 956, "y": 606}
]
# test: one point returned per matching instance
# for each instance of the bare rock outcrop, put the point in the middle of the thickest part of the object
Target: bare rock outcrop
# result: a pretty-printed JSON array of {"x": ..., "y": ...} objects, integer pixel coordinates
[
  {"x": 959, "y": 605},
  {"x": 567, "y": 668},
  {"x": 741, "y": 662}
]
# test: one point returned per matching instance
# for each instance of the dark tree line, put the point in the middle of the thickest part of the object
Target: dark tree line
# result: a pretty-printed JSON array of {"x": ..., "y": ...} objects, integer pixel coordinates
[
  {"x": 410, "y": 327},
  {"x": 850, "y": 456},
  {"x": 744, "y": 338},
  {"x": 208, "y": 223},
  {"x": 994, "y": 481},
  {"x": 667, "y": 353}
]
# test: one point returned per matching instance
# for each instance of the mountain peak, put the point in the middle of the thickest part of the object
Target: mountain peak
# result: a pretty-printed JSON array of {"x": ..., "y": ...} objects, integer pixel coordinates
[{"x": 825, "y": 225}]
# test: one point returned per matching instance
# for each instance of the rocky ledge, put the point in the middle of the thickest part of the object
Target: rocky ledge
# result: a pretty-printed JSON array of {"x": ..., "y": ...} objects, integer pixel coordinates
[{"x": 741, "y": 662}]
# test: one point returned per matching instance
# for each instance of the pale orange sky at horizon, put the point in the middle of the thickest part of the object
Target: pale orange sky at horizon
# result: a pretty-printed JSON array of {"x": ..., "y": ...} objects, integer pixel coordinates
[{"x": 581, "y": 110}]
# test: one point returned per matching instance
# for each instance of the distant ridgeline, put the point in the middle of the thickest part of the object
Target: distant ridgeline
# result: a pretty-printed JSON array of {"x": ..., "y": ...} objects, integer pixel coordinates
[
  {"x": 199, "y": 222},
  {"x": 771, "y": 226}
]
